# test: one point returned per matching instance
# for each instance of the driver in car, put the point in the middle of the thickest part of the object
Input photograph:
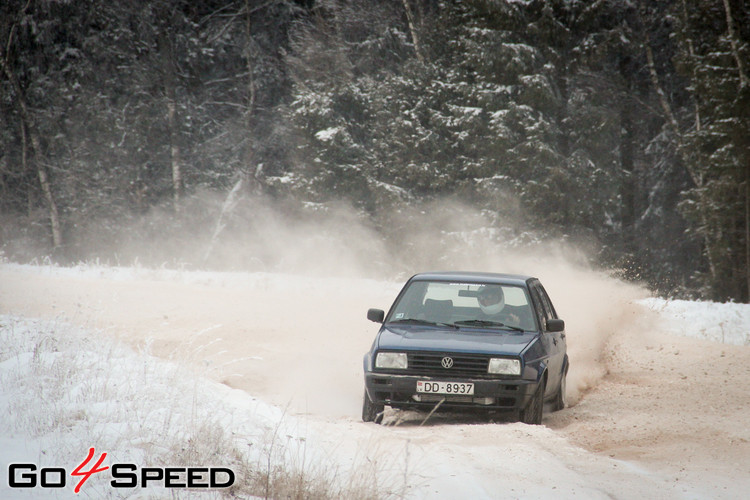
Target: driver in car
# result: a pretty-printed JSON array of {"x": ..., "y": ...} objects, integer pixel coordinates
[{"x": 492, "y": 303}]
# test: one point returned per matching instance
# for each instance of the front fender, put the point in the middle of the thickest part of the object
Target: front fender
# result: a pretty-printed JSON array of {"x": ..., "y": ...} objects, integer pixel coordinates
[
  {"x": 535, "y": 361},
  {"x": 534, "y": 371}
]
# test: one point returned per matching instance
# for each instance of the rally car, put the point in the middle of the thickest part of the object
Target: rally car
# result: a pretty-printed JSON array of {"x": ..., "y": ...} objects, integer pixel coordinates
[{"x": 467, "y": 341}]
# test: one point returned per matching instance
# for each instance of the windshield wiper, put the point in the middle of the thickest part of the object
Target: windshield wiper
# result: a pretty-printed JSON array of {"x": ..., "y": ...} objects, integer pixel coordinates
[
  {"x": 486, "y": 322},
  {"x": 415, "y": 321}
]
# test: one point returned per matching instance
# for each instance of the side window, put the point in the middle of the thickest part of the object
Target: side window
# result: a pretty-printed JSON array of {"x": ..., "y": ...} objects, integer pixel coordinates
[
  {"x": 548, "y": 307},
  {"x": 538, "y": 306},
  {"x": 542, "y": 299}
]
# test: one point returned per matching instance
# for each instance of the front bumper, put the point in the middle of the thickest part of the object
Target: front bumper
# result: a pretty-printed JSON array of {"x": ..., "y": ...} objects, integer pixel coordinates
[{"x": 400, "y": 391}]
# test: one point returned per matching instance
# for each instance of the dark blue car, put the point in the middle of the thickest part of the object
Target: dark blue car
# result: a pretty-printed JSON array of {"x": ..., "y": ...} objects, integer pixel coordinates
[{"x": 467, "y": 341}]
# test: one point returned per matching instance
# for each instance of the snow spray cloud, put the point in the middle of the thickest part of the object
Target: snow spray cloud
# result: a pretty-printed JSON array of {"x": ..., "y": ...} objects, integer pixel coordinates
[
  {"x": 595, "y": 306},
  {"x": 255, "y": 233},
  {"x": 446, "y": 235}
]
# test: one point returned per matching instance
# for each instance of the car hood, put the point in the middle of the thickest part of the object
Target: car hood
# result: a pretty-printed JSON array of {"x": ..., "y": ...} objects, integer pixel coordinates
[{"x": 419, "y": 338}]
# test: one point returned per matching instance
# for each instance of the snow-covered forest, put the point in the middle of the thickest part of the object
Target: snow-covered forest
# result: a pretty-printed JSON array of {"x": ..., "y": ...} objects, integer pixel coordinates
[{"x": 190, "y": 131}]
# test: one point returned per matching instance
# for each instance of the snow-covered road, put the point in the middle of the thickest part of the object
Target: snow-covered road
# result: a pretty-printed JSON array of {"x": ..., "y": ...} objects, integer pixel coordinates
[{"x": 655, "y": 411}]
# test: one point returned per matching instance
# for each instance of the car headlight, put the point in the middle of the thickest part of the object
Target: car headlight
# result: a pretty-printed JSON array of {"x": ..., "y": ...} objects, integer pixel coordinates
[
  {"x": 391, "y": 360},
  {"x": 504, "y": 366}
]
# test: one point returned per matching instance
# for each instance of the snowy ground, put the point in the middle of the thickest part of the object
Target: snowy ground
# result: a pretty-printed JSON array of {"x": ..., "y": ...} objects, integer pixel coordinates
[
  {"x": 723, "y": 323},
  {"x": 164, "y": 368}
]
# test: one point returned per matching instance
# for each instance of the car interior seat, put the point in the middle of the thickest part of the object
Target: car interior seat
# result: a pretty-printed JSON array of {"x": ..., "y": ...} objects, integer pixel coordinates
[{"x": 439, "y": 311}]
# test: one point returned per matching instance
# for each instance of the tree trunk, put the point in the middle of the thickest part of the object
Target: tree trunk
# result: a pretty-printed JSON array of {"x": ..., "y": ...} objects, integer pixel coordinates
[
  {"x": 170, "y": 91},
  {"x": 735, "y": 46},
  {"x": 54, "y": 216},
  {"x": 694, "y": 68},
  {"x": 249, "y": 152},
  {"x": 413, "y": 30},
  {"x": 28, "y": 130},
  {"x": 174, "y": 149},
  {"x": 628, "y": 187}
]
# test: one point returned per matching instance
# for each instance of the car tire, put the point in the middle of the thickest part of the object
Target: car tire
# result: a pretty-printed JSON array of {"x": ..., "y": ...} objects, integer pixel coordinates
[
  {"x": 371, "y": 412},
  {"x": 560, "y": 400},
  {"x": 532, "y": 414}
]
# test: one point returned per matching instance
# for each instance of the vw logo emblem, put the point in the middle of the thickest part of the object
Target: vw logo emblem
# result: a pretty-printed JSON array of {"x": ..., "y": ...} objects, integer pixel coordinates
[{"x": 447, "y": 362}]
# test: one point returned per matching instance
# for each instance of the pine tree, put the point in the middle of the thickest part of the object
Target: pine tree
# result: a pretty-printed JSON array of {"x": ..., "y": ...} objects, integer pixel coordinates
[{"x": 716, "y": 145}]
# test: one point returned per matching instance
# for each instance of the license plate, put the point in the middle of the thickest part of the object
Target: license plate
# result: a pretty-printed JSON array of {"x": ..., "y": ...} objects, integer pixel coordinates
[{"x": 431, "y": 387}]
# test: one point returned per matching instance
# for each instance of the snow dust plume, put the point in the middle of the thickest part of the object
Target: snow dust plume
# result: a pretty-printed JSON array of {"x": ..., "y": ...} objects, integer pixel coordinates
[
  {"x": 595, "y": 308},
  {"x": 247, "y": 232},
  {"x": 594, "y": 305},
  {"x": 255, "y": 233}
]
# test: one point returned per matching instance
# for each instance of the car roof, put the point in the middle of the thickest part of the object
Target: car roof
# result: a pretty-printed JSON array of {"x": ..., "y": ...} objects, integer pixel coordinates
[{"x": 473, "y": 277}]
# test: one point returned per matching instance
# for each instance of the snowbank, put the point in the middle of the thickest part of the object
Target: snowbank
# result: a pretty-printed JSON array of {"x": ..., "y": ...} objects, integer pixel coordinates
[
  {"x": 64, "y": 390},
  {"x": 725, "y": 323}
]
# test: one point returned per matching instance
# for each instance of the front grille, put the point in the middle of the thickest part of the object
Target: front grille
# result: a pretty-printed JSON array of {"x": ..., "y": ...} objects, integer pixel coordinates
[{"x": 464, "y": 365}]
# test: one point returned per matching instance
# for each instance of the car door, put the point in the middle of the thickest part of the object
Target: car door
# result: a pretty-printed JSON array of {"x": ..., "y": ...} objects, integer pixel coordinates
[{"x": 554, "y": 342}]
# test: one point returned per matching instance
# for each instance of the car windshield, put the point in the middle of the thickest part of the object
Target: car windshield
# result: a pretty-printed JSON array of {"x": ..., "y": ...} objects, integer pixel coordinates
[{"x": 465, "y": 305}]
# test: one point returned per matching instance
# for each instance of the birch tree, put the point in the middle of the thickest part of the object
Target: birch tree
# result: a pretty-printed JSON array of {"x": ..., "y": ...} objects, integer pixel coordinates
[{"x": 32, "y": 150}]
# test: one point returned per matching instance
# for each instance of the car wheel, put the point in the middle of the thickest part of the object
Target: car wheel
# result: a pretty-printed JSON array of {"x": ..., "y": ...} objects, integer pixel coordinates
[
  {"x": 371, "y": 412},
  {"x": 560, "y": 400},
  {"x": 532, "y": 414}
]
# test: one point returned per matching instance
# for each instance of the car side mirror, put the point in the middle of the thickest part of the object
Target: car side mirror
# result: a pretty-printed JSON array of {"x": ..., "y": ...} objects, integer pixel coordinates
[
  {"x": 555, "y": 325},
  {"x": 376, "y": 315}
]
